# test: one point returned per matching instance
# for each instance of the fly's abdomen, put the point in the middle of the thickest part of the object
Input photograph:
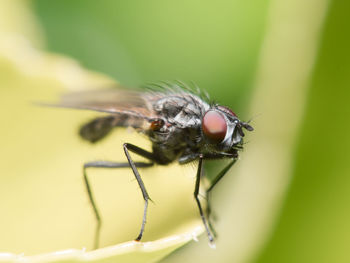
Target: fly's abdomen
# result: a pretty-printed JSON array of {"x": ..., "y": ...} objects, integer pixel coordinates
[{"x": 99, "y": 128}]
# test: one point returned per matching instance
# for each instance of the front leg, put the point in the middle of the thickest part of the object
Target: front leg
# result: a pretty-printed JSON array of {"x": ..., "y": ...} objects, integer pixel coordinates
[
  {"x": 190, "y": 158},
  {"x": 194, "y": 156},
  {"x": 208, "y": 191},
  {"x": 196, "y": 193}
]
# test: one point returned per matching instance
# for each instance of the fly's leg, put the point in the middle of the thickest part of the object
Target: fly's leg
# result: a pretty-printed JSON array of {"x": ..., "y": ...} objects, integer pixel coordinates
[
  {"x": 196, "y": 193},
  {"x": 133, "y": 148},
  {"x": 103, "y": 164},
  {"x": 221, "y": 174},
  {"x": 213, "y": 183},
  {"x": 209, "y": 213}
]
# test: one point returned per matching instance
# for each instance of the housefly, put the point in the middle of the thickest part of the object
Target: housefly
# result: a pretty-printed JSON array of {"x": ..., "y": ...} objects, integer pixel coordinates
[{"x": 182, "y": 124}]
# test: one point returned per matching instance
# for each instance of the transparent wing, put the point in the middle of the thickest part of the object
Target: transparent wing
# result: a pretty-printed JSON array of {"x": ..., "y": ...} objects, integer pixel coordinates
[
  {"x": 109, "y": 101},
  {"x": 125, "y": 108}
]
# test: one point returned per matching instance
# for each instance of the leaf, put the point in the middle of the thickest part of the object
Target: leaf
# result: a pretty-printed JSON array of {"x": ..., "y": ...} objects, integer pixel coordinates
[{"x": 46, "y": 213}]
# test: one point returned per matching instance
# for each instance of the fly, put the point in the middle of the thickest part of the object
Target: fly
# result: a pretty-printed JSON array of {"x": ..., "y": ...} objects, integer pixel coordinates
[{"x": 182, "y": 124}]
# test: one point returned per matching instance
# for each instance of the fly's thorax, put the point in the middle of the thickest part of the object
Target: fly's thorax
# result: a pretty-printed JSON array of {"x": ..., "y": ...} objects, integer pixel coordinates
[{"x": 181, "y": 110}]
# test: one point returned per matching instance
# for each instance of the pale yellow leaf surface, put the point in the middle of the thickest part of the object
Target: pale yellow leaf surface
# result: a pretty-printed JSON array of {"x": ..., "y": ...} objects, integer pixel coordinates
[{"x": 45, "y": 212}]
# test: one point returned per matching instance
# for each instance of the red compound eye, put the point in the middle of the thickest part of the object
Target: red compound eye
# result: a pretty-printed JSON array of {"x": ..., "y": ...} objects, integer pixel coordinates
[
  {"x": 227, "y": 110},
  {"x": 214, "y": 126}
]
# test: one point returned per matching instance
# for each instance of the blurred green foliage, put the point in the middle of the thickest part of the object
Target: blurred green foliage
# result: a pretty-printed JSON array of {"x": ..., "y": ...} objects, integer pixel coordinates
[
  {"x": 314, "y": 224},
  {"x": 214, "y": 44}
]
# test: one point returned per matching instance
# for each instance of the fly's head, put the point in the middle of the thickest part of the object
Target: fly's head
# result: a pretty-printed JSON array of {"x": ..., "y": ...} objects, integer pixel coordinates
[{"x": 222, "y": 130}]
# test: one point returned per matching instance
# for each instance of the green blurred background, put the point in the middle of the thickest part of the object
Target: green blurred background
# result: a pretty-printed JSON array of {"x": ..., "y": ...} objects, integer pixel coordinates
[
  {"x": 214, "y": 44},
  {"x": 217, "y": 45}
]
